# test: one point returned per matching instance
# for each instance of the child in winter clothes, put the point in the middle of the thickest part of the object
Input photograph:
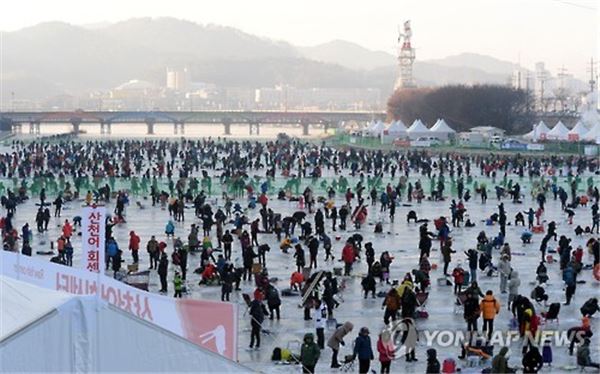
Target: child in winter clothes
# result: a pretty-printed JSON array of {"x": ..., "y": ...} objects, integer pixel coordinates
[{"x": 386, "y": 349}]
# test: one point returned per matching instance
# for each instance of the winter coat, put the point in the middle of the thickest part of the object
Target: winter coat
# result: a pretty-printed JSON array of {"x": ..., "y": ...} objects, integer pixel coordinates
[
  {"x": 134, "y": 242},
  {"x": 514, "y": 283},
  {"x": 409, "y": 304},
  {"x": 489, "y": 307},
  {"x": 338, "y": 336},
  {"x": 499, "y": 362},
  {"x": 320, "y": 316},
  {"x": 257, "y": 311},
  {"x": 447, "y": 252},
  {"x": 386, "y": 350},
  {"x": 163, "y": 266},
  {"x": 504, "y": 267},
  {"x": 583, "y": 355},
  {"x": 532, "y": 361},
  {"x": 433, "y": 365},
  {"x": 471, "y": 309},
  {"x": 392, "y": 300},
  {"x": 309, "y": 352},
  {"x": 112, "y": 248},
  {"x": 348, "y": 254},
  {"x": 569, "y": 276},
  {"x": 273, "y": 299},
  {"x": 459, "y": 275},
  {"x": 368, "y": 283},
  {"x": 362, "y": 347}
]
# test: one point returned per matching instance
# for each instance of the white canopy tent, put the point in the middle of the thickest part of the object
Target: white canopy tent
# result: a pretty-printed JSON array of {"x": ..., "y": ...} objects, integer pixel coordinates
[
  {"x": 441, "y": 130},
  {"x": 376, "y": 129},
  {"x": 396, "y": 129},
  {"x": 558, "y": 132},
  {"x": 578, "y": 132},
  {"x": 84, "y": 334},
  {"x": 417, "y": 130},
  {"x": 593, "y": 134},
  {"x": 539, "y": 132}
]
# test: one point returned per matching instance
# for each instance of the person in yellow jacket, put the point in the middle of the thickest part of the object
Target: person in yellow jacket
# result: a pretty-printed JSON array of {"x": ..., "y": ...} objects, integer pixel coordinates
[
  {"x": 407, "y": 282},
  {"x": 490, "y": 307}
]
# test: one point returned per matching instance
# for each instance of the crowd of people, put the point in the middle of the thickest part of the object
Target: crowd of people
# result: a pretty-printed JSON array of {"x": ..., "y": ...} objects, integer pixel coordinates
[{"x": 250, "y": 204}]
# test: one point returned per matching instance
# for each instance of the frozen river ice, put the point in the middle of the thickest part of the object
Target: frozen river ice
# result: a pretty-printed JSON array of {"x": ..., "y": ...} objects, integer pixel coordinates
[{"x": 401, "y": 240}]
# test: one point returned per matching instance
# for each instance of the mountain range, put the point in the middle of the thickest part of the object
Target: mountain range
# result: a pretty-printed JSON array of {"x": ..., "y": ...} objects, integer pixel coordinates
[{"x": 55, "y": 58}]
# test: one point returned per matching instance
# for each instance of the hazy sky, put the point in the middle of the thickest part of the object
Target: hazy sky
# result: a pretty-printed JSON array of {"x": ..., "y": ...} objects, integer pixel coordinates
[{"x": 555, "y": 31}]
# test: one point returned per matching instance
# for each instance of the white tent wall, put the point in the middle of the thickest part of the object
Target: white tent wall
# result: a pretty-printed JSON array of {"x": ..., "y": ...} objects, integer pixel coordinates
[
  {"x": 82, "y": 335},
  {"x": 417, "y": 130}
]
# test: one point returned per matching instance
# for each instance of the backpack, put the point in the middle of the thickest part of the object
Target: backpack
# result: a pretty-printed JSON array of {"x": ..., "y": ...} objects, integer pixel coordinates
[{"x": 449, "y": 366}]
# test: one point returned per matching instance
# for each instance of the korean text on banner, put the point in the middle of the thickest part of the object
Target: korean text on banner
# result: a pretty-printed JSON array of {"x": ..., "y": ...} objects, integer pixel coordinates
[
  {"x": 93, "y": 234},
  {"x": 209, "y": 324}
]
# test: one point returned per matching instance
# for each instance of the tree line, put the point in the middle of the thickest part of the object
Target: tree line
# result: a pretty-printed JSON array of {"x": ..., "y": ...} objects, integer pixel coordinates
[{"x": 464, "y": 107}]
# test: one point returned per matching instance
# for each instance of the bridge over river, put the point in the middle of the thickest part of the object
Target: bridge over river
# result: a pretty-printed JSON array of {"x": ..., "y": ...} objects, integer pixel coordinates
[{"x": 14, "y": 121}]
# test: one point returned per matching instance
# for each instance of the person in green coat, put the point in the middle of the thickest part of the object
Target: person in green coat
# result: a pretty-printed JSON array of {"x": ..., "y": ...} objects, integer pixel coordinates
[
  {"x": 178, "y": 284},
  {"x": 500, "y": 362},
  {"x": 309, "y": 354}
]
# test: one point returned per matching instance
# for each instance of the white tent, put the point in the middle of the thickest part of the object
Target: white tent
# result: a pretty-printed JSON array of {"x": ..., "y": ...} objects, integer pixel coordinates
[
  {"x": 377, "y": 128},
  {"x": 441, "y": 130},
  {"x": 417, "y": 130},
  {"x": 49, "y": 331},
  {"x": 396, "y": 129},
  {"x": 559, "y": 132},
  {"x": 539, "y": 132},
  {"x": 593, "y": 134},
  {"x": 578, "y": 132}
]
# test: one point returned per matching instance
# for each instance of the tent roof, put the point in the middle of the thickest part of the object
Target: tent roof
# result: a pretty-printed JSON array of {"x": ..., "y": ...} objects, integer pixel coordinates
[
  {"x": 541, "y": 128},
  {"x": 397, "y": 127},
  {"x": 559, "y": 131},
  {"x": 579, "y": 129},
  {"x": 442, "y": 126},
  {"x": 418, "y": 126},
  {"x": 23, "y": 304},
  {"x": 69, "y": 326},
  {"x": 377, "y": 128},
  {"x": 594, "y": 133}
]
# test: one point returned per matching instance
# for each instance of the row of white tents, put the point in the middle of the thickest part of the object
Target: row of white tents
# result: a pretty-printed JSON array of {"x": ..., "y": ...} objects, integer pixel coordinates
[
  {"x": 397, "y": 129},
  {"x": 579, "y": 132}
]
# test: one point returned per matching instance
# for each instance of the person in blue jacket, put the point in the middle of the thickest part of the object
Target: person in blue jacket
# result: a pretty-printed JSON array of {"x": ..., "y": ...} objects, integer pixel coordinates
[
  {"x": 570, "y": 279},
  {"x": 363, "y": 350}
]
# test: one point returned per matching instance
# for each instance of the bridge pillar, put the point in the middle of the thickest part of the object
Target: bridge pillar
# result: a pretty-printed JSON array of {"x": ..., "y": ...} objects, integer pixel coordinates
[
  {"x": 305, "y": 126},
  {"x": 105, "y": 127},
  {"x": 254, "y": 127},
  {"x": 226, "y": 126},
  {"x": 75, "y": 122},
  {"x": 177, "y": 125},
  {"x": 150, "y": 124}
]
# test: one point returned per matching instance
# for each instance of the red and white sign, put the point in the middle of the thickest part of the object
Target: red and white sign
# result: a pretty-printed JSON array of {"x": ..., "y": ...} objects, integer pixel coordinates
[
  {"x": 209, "y": 324},
  {"x": 93, "y": 232}
]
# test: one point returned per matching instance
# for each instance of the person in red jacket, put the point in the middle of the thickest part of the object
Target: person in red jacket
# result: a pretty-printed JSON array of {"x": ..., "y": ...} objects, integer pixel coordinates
[
  {"x": 134, "y": 246},
  {"x": 67, "y": 229},
  {"x": 348, "y": 255},
  {"x": 263, "y": 200},
  {"x": 386, "y": 349}
]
